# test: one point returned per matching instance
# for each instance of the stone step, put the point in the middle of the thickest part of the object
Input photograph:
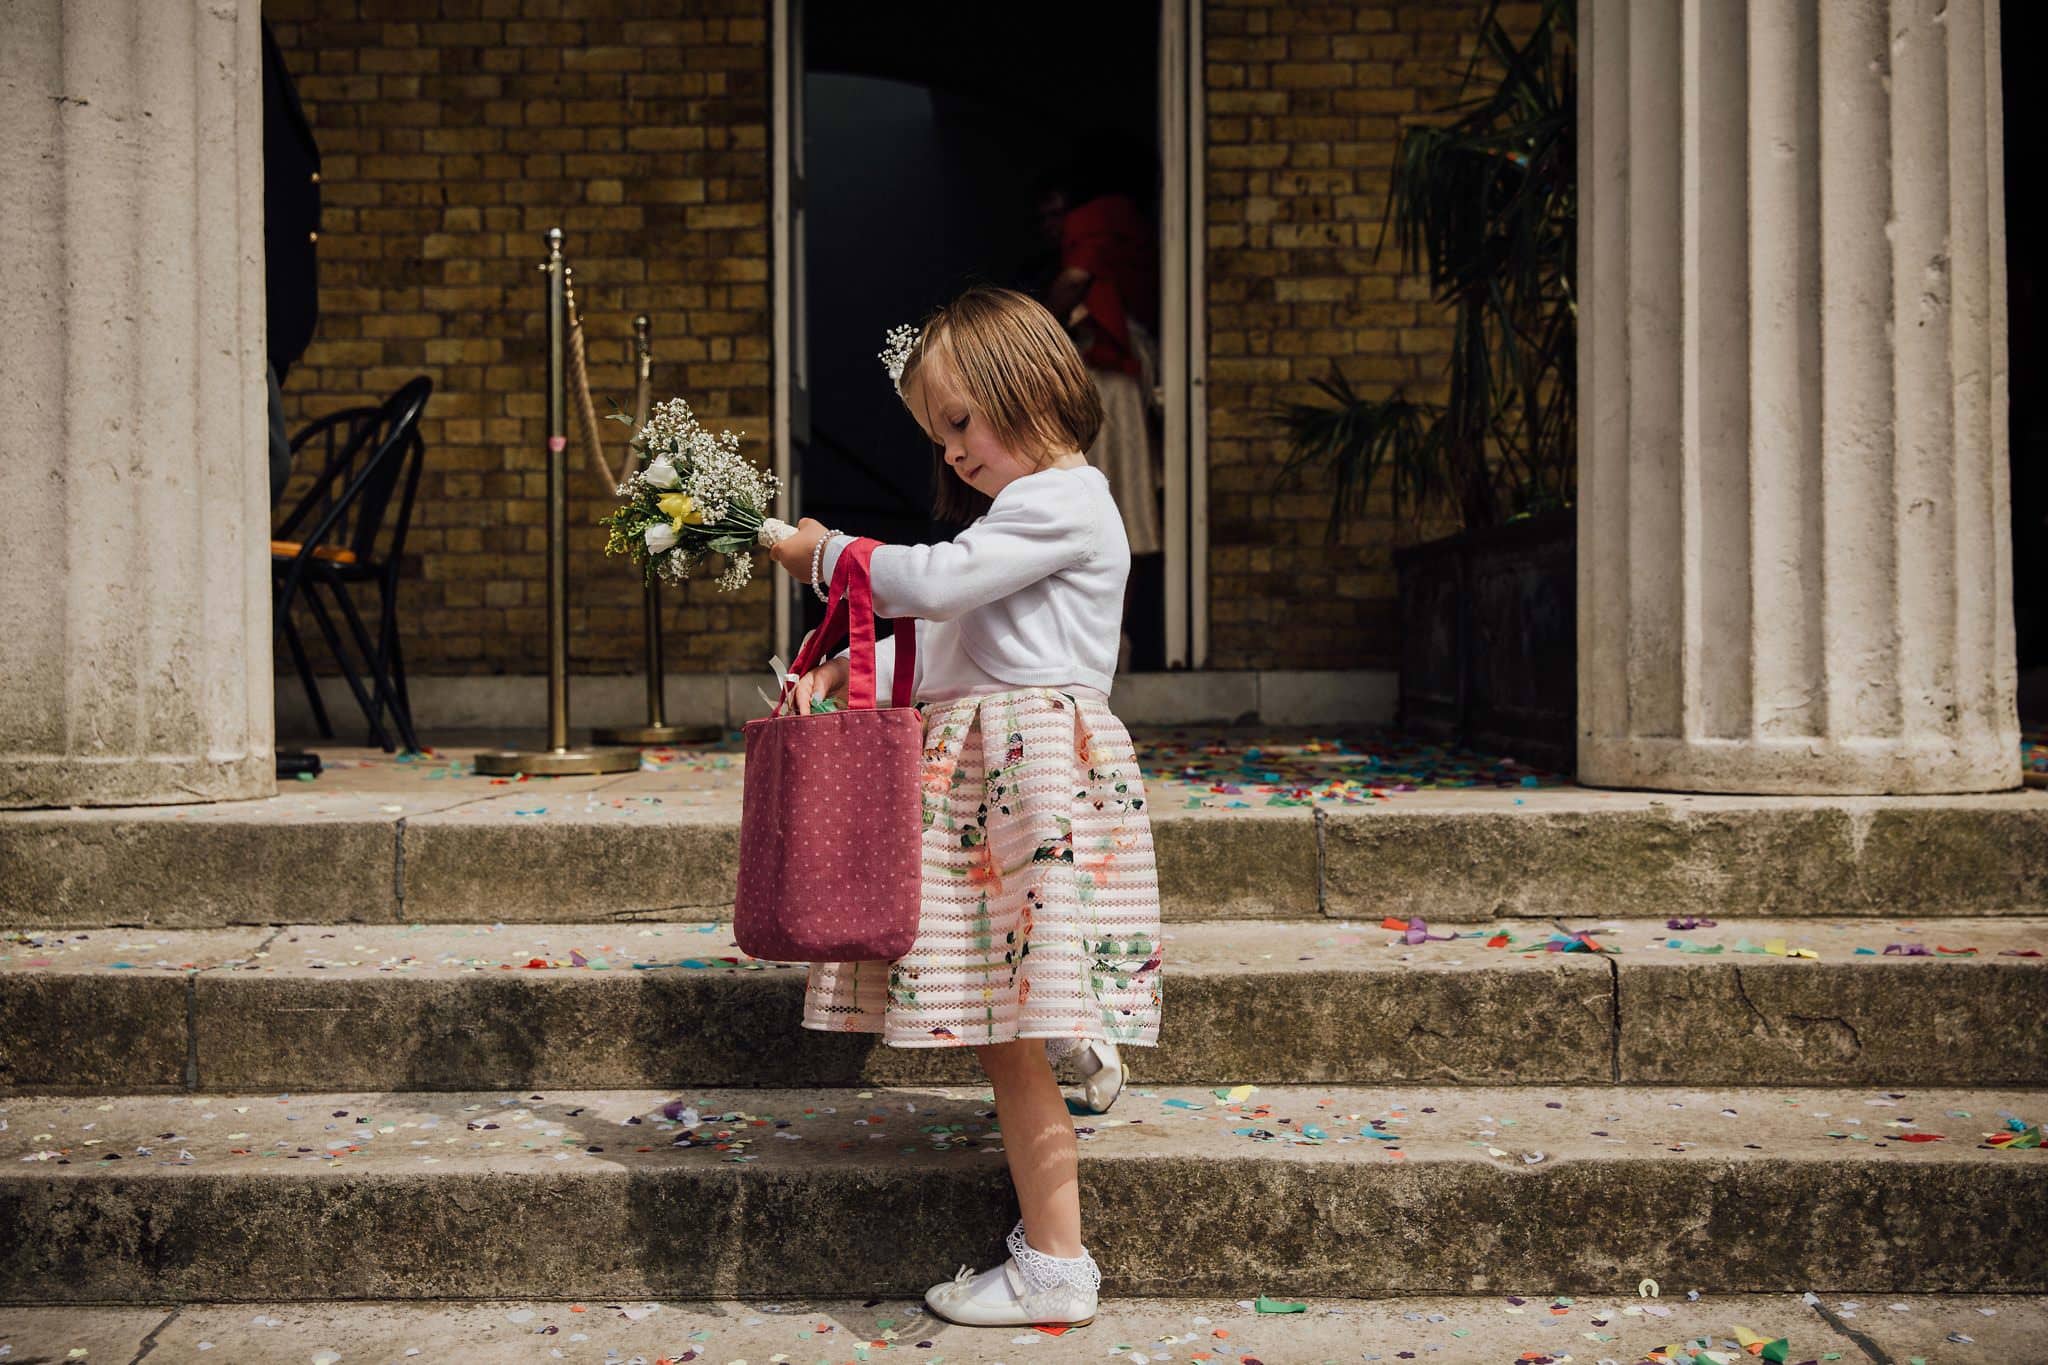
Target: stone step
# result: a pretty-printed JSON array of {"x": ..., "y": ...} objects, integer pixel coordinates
[
  {"x": 391, "y": 843},
  {"x": 438, "y": 1007},
  {"x": 1537, "y": 1323},
  {"x": 1462, "y": 1190}
]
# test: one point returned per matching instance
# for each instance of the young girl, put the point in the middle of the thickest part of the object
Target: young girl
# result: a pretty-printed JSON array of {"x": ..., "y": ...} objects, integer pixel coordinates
[{"x": 1040, "y": 924}]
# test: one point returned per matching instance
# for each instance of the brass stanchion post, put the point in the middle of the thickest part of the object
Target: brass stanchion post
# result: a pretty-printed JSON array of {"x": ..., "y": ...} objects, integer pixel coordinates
[
  {"x": 558, "y": 759},
  {"x": 657, "y": 730}
]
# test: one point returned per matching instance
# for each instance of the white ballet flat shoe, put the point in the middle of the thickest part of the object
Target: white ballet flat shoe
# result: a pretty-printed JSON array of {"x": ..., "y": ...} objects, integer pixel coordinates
[
  {"x": 1037, "y": 1289},
  {"x": 1102, "y": 1075}
]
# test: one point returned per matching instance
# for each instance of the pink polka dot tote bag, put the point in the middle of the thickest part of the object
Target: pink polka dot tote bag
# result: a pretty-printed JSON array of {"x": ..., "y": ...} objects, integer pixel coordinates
[{"x": 831, "y": 821}]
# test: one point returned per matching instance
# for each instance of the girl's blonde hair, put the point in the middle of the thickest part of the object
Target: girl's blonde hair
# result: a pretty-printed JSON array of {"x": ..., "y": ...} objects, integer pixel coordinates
[{"x": 1019, "y": 370}]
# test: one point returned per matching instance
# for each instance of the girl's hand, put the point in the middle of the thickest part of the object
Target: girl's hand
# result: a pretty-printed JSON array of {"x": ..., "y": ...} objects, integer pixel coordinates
[
  {"x": 794, "y": 554},
  {"x": 832, "y": 679}
]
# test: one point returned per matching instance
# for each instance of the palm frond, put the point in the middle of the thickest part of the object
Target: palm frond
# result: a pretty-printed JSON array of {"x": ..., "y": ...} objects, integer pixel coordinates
[
  {"x": 1484, "y": 205},
  {"x": 1359, "y": 439}
]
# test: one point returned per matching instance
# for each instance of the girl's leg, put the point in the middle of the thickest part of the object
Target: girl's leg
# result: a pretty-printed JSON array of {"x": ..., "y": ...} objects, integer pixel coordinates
[{"x": 1038, "y": 1138}]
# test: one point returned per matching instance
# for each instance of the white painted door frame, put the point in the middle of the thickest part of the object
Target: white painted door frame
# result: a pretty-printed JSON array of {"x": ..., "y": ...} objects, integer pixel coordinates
[
  {"x": 1183, "y": 325},
  {"x": 791, "y": 354},
  {"x": 1183, "y": 315}
]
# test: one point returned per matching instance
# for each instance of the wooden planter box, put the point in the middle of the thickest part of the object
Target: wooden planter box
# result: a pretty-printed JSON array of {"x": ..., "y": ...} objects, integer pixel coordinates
[{"x": 1489, "y": 640}]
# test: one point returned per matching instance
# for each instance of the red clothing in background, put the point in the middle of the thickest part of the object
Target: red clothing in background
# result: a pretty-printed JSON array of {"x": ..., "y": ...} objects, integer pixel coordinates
[{"x": 1109, "y": 238}]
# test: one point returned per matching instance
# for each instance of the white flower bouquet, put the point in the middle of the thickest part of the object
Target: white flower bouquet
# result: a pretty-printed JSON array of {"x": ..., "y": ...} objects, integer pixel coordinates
[{"x": 692, "y": 496}]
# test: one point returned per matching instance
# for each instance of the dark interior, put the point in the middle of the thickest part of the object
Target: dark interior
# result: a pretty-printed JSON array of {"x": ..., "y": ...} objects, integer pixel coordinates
[
  {"x": 927, "y": 128},
  {"x": 2024, "y": 26}
]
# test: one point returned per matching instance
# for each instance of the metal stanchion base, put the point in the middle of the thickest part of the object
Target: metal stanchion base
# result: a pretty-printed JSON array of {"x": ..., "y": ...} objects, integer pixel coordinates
[
  {"x": 658, "y": 734},
  {"x": 557, "y": 762}
]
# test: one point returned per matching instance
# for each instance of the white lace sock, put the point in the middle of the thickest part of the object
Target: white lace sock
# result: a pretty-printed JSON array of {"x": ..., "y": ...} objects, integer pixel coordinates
[
  {"x": 1028, "y": 1286},
  {"x": 1046, "y": 1272}
]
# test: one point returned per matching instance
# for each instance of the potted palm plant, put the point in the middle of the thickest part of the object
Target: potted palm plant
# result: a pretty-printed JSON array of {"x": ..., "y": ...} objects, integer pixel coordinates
[{"x": 1485, "y": 201}]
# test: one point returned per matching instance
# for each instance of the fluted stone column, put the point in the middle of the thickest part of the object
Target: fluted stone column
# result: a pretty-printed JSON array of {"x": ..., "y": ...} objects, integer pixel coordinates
[
  {"x": 134, "y": 598},
  {"x": 1794, "y": 557}
]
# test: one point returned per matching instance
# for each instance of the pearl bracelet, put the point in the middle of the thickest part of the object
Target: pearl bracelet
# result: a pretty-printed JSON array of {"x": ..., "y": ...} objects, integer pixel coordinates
[{"x": 818, "y": 560}]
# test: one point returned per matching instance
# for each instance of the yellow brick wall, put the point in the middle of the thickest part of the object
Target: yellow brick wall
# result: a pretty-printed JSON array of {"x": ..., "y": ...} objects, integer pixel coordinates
[
  {"x": 451, "y": 142},
  {"x": 452, "y": 134},
  {"x": 1304, "y": 106}
]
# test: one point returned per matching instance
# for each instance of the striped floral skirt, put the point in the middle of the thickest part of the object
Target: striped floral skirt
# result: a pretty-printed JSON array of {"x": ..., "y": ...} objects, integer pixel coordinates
[{"x": 1040, "y": 913}]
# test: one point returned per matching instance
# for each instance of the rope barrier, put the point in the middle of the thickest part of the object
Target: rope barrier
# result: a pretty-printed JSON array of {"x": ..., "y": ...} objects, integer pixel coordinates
[{"x": 579, "y": 392}]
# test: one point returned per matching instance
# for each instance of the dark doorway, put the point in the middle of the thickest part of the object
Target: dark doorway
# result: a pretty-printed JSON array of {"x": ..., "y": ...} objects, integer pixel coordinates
[
  {"x": 2023, "y": 27},
  {"x": 929, "y": 129}
]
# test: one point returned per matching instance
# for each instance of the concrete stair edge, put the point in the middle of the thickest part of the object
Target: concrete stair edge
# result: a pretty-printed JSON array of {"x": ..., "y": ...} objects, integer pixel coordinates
[
  {"x": 1579, "y": 854},
  {"x": 1472, "y": 1327},
  {"x": 455, "y": 1007},
  {"x": 1761, "y": 1199}
]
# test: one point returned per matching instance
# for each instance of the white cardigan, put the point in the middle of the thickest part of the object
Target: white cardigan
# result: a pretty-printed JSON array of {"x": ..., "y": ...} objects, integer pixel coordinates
[{"x": 1030, "y": 594}]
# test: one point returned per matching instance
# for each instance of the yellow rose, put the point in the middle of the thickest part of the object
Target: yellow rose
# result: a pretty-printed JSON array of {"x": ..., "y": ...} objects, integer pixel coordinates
[{"x": 680, "y": 509}]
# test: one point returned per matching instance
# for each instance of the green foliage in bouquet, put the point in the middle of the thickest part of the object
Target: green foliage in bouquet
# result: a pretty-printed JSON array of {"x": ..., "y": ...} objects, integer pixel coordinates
[{"x": 692, "y": 495}]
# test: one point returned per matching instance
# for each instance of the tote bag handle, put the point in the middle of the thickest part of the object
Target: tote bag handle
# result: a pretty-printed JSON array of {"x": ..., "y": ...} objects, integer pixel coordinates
[{"x": 852, "y": 607}]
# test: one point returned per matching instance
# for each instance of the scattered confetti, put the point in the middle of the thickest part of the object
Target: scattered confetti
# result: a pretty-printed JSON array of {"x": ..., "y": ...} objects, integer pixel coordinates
[{"x": 1207, "y": 769}]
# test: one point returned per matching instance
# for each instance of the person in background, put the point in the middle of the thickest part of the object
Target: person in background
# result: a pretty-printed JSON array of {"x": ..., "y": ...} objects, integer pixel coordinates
[
  {"x": 1105, "y": 291},
  {"x": 1108, "y": 280}
]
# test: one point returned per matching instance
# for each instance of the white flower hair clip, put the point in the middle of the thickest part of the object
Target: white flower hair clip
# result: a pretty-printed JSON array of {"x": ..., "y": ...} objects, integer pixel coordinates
[{"x": 896, "y": 349}]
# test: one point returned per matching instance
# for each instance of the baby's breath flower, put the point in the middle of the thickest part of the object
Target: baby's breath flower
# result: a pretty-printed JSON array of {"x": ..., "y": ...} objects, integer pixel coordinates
[
  {"x": 699, "y": 490},
  {"x": 896, "y": 349}
]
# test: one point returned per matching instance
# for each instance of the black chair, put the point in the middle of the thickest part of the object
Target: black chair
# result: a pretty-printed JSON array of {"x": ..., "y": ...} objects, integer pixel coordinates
[{"x": 349, "y": 529}]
